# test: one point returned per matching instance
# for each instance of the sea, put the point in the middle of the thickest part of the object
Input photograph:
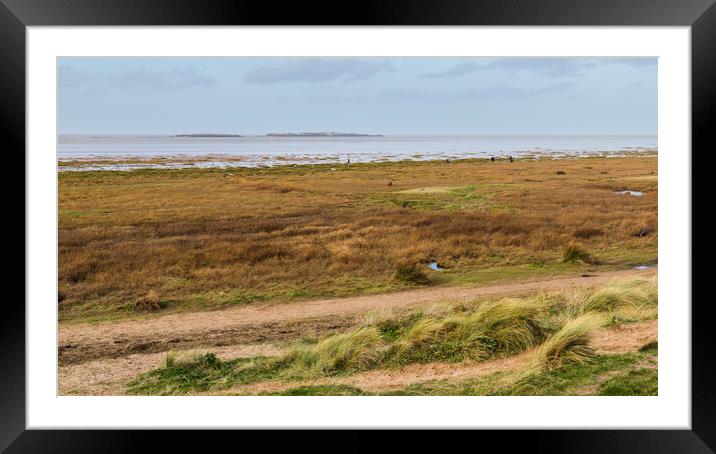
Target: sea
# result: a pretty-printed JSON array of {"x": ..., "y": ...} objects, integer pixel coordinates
[{"x": 128, "y": 152}]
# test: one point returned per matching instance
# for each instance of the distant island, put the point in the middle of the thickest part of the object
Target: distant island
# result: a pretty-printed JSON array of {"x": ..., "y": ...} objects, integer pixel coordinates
[
  {"x": 206, "y": 135},
  {"x": 320, "y": 134}
]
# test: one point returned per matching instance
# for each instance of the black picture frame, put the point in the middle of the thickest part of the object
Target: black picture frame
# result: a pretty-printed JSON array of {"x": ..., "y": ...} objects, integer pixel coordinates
[{"x": 16, "y": 15}]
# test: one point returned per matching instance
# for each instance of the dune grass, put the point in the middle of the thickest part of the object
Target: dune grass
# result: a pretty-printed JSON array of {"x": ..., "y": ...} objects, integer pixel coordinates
[
  {"x": 554, "y": 328},
  {"x": 568, "y": 345},
  {"x": 199, "y": 239},
  {"x": 626, "y": 301}
]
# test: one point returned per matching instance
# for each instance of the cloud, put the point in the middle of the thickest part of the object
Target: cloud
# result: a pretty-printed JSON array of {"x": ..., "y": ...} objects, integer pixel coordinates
[
  {"x": 71, "y": 77},
  {"x": 457, "y": 70},
  {"x": 316, "y": 70},
  {"x": 502, "y": 92},
  {"x": 172, "y": 79},
  {"x": 639, "y": 63},
  {"x": 547, "y": 67},
  {"x": 550, "y": 67},
  {"x": 133, "y": 78}
]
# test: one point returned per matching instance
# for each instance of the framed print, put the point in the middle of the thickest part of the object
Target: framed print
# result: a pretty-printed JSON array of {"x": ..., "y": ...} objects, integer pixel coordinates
[{"x": 470, "y": 215}]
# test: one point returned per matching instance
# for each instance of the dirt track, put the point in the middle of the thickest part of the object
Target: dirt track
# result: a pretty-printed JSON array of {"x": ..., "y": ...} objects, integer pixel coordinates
[{"x": 79, "y": 343}]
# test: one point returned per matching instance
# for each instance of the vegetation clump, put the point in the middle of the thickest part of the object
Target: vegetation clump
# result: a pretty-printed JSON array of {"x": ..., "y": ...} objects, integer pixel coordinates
[
  {"x": 569, "y": 344},
  {"x": 574, "y": 252},
  {"x": 621, "y": 294},
  {"x": 411, "y": 273},
  {"x": 149, "y": 303},
  {"x": 355, "y": 350}
]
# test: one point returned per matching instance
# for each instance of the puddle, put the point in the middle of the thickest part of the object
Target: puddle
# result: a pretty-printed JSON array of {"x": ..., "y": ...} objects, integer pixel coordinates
[
  {"x": 435, "y": 267},
  {"x": 634, "y": 193},
  {"x": 644, "y": 267}
]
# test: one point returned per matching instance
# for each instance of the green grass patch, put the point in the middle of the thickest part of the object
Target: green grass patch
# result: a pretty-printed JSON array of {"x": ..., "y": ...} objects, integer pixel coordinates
[
  {"x": 603, "y": 375},
  {"x": 639, "y": 382},
  {"x": 201, "y": 373},
  {"x": 322, "y": 390}
]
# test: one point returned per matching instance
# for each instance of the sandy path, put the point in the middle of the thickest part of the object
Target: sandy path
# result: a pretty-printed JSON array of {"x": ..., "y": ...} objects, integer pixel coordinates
[
  {"x": 272, "y": 322},
  {"x": 109, "y": 377}
]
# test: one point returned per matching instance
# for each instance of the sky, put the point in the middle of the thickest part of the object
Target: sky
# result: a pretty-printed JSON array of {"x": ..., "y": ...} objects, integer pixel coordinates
[{"x": 425, "y": 95}]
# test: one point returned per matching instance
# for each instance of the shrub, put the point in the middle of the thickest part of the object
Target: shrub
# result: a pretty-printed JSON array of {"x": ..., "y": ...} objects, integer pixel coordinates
[
  {"x": 561, "y": 172},
  {"x": 411, "y": 273}
]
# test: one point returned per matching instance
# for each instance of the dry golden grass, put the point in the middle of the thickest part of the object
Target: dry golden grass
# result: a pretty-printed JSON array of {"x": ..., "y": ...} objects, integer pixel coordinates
[{"x": 202, "y": 238}]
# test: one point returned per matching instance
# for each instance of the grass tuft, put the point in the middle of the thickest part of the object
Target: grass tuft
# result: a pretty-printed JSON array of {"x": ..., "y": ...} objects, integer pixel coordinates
[
  {"x": 411, "y": 273},
  {"x": 623, "y": 294},
  {"x": 574, "y": 252},
  {"x": 569, "y": 345},
  {"x": 355, "y": 350}
]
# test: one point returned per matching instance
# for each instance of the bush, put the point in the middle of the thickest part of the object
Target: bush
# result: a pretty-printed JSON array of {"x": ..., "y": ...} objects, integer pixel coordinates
[
  {"x": 411, "y": 273},
  {"x": 561, "y": 172}
]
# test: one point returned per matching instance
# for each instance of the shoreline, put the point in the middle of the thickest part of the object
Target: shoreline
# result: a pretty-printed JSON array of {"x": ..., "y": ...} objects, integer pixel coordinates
[{"x": 128, "y": 163}]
